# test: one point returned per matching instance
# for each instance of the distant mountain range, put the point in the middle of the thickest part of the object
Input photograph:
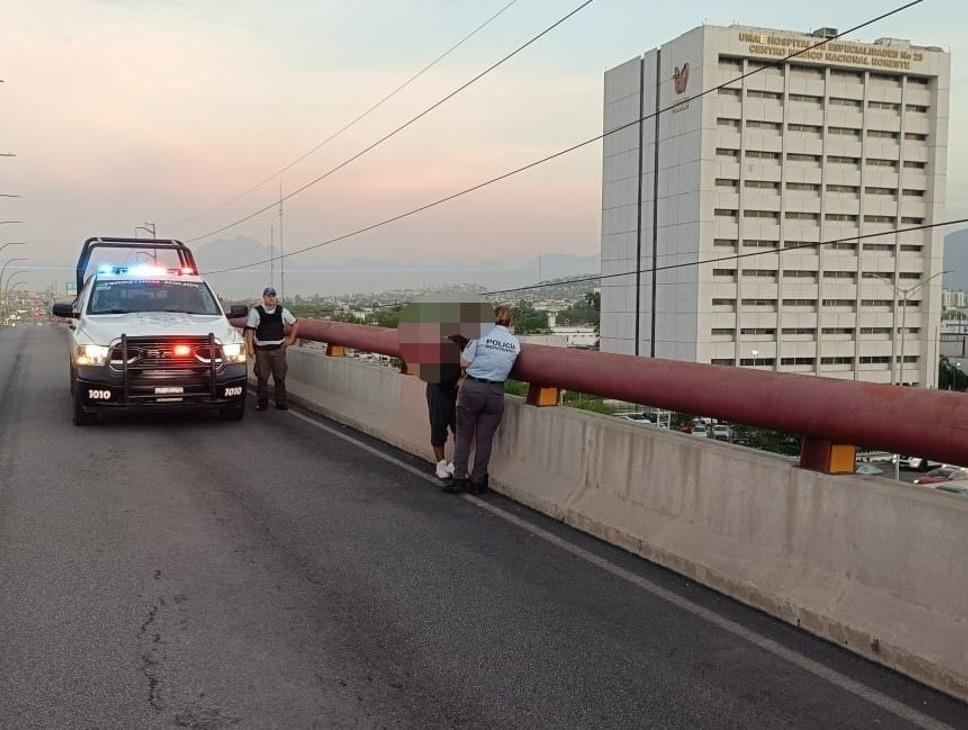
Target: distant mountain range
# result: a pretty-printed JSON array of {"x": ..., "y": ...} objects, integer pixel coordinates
[
  {"x": 371, "y": 275},
  {"x": 364, "y": 275},
  {"x": 956, "y": 259}
]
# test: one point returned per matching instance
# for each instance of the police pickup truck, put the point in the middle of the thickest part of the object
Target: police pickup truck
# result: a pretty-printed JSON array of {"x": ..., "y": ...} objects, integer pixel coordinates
[{"x": 151, "y": 336}]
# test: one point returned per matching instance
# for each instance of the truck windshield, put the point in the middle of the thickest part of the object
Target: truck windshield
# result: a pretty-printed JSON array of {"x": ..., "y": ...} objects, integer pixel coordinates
[{"x": 148, "y": 295}]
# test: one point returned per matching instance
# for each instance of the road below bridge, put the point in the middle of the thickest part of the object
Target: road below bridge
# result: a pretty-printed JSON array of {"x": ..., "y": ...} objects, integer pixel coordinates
[{"x": 285, "y": 572}]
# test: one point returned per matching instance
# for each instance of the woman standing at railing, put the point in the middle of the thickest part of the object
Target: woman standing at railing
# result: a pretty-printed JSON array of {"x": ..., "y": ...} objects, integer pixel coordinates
[{"x": 480, "y": 402}]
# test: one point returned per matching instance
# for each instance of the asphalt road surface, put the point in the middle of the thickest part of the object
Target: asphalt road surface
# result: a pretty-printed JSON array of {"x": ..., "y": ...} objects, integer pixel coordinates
[{"x": 160, "y": 572}]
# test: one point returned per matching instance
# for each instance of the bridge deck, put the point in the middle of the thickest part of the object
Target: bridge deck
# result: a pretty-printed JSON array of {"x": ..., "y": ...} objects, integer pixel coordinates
[{"x": 162, "y": 571}]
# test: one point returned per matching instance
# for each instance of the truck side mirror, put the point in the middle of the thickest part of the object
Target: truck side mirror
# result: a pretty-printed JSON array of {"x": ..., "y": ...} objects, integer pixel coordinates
[
  {"x": 236, "y": 311},
  {"x": 64, "y": 310}
]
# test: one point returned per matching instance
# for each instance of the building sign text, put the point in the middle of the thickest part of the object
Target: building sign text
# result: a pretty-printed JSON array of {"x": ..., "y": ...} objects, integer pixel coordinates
[{"x": 835, "y": 52}]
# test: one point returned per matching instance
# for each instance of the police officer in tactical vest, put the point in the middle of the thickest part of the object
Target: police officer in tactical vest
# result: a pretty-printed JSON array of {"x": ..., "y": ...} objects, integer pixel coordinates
[{"x": 266, "y": 341}]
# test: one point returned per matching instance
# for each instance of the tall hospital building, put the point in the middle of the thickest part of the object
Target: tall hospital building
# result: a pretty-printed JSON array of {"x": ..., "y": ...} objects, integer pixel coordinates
[{"x": 842, "y": 142}]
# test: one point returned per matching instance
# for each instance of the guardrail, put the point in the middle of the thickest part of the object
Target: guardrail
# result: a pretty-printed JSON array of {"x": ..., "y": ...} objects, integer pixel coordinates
[{"x": 832, "y": 416}]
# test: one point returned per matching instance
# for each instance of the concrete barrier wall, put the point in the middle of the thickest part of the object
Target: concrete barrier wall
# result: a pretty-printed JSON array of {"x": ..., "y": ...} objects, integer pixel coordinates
[{"x": 879, "y": 567}]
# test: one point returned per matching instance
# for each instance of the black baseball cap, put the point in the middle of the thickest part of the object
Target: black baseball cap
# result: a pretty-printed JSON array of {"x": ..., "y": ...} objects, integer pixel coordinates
[{"x": 269, "y": 292}]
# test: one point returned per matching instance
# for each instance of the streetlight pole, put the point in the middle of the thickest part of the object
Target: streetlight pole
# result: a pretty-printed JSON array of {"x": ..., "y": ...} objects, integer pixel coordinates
[
  {"x": 6, "y": 298},
  {"x": 5, "y": 265},
  {"x": 9, "y": 288},
  {"x": 12, "y": 243},
  {"x": 13, "y": 275}
]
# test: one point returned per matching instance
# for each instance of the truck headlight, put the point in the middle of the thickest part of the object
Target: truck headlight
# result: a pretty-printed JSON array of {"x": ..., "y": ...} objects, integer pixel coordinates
[
  {"x": 91, "y": 355},
  {"x": 233, "y": 352}
]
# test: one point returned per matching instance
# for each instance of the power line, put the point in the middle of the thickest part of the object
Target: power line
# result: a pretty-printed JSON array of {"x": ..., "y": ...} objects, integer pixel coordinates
[
  {"x": 735, "y": 257},
  {"x": 349, "y": 124},
  {"x": 567, "y": 150},
  {"x": 403, "y": 126},
  {"x": 667, "y": 267},
  {"x": 704, "y": 262}
]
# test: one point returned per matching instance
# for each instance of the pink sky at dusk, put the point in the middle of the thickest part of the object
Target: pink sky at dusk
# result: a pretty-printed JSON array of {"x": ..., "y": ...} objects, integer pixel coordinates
[{"x": 123, "y": 111}]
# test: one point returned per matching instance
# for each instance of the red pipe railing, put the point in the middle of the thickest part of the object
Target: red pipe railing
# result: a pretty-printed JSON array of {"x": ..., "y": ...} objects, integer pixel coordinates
[{"x": 929, "y": 423}]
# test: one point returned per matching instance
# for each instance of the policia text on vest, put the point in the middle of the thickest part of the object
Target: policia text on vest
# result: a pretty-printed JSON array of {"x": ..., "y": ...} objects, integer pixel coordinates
[{"x": 266, "y": 341}]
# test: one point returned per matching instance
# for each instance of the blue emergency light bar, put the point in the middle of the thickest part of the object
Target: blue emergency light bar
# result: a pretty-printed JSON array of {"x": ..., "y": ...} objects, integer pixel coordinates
[{"x": 142, "y": 270}]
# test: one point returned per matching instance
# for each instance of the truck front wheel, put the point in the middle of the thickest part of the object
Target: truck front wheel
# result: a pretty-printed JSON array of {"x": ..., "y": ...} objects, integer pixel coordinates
[
  {"x": 232, "y": 413},
  {"x": 81, "y": 417}
]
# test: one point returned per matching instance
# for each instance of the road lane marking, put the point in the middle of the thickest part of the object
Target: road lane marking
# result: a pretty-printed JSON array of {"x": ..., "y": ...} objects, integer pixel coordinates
[{"x": 818, "y": 669}]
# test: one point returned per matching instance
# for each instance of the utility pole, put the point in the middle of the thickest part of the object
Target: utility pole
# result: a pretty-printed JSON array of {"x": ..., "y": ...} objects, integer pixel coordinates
[
  {"x": 282, "y": 250},
  {"x": 149, "y": 228},
  {"x": 272, "y": 254},
  {"x": 904, "y": 294}
]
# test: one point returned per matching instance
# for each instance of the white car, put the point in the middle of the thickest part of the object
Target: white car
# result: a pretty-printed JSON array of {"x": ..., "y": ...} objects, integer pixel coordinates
[
  {"x": 151, "y": 337},
  {"x": 915, "y": 463},
  {"x": 642, "y": 418}
]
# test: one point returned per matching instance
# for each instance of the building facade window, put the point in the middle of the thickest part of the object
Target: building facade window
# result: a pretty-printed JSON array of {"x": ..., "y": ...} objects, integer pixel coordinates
[
  {"x": 846, "y": 103},
  {"x": 762, "y": 184},
  {"x": 803, "y": 187},
  {"x": 760, "y": 94},
  {"x": 762, "y": 155},
  {"x": 843, "y": 189}
]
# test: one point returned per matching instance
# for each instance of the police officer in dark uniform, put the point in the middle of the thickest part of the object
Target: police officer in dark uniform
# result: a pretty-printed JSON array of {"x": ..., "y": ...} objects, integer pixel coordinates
[{"x": 266, "y": 341}]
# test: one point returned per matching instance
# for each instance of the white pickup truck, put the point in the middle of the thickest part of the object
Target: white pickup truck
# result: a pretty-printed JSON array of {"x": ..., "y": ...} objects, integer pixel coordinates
[{"x": 150, "y": 336}]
